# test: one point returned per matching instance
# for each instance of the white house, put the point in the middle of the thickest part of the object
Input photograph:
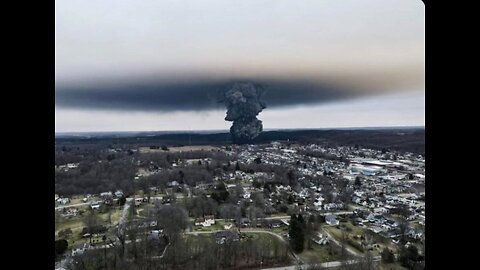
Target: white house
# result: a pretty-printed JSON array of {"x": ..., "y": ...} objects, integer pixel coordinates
[
  {"x": 77, "y": 251},
  {"x": 206, "y": 221},
  {"x": 331, "y": 220},
  {"x": 138, "y": 201},
  {"x": 106, "y": 194},
  {"x": 72, "y": 165},
  {"x": 118, "y": 194},
  {"x": 318, "y": 202},
  {"x": 381, "y": 210},
  {"x": 95, "y": 205},
  {"x": 63, "y": 200}
]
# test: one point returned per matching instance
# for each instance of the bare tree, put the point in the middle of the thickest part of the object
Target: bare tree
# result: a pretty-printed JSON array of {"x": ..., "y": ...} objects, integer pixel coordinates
[
  {"x": 172, "y": 218},
  {"x": 403, "y": 226},
  {"x": 230, "y": 211},
  {"x": 254, "y": 213}
]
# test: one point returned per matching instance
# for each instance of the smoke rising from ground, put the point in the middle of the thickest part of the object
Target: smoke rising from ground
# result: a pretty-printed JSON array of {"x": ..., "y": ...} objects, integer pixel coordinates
[{"x": 243, "y": 105}]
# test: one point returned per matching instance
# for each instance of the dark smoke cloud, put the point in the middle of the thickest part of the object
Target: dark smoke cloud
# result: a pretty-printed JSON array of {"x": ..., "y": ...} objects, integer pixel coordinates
[
  {"x": 243, "y": 103},
  {"x": 193, "y": 95}
]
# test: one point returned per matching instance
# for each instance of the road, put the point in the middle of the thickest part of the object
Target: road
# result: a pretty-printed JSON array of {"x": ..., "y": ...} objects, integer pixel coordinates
[
  {"x": 72, "y": 205},
  {"x": 179, "y": 196},
  {"x": 324, "y": 265}
]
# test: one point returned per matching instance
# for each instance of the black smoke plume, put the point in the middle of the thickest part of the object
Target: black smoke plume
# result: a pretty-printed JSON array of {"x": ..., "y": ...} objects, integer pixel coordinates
[
  {"x": 243, "y": 103},
  {"x": 184, "y": 94}
]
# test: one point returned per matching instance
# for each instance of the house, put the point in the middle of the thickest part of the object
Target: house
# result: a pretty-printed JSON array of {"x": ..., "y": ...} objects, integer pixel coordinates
[
  {"x": 318, "y": 203},
  {"x": 413, "y": 234},
  {"x": 106, "y": 194},
  {"x": 95, "y": 205},
  {"x": 320, "y": 239},
  {"x": 118, "y": 194},
  {"x": 210, "y": 219},
  {"x": 272, "y": 223},
  {"x": 357, "y": 200},
  {"x": 244, "y": 222},
  {"x": 63, "y": 200},
  {"x": 205, "y": 221},
  {"x": 138, "y": 201},
  {"x": 276, "y": 223},
  {"x": 154, "y": 235},
  {"x": 331, "y": 220},
  {"x": 199, "y": 221},
  {"x": 72, "y": 212},
  {"x": 173, "y": 184},
  {"x": 228, "y": 226},
  {"x": 78, "y": 251},
  {"x": 72, "y": 165},
  {"x": 381, "y": 210},
  {"x": 222, "y": 237}
]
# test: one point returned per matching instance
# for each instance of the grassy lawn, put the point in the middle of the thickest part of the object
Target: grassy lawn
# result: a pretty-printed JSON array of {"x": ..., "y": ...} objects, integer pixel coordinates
[
  {"x": 279, "y": 215},
  {"x": 76, "y": 199},
  {"x": 350, "y": 229},
  {"x": 281, "y": 230},
  {"x": 72, "y": 223},
  {"x": 76, "y": 224},
  {"x": 268, "y": 242},
  {"x": 318, "y": 254},
  {"x": 261, "y": 236},
  {"x": 390, "y": 266},
  {"x": 115, "y": 215},
  {"x": 215, "y": 227},
  {"x": 354, "y": 231},
  {"x": 337, "y": 234}
]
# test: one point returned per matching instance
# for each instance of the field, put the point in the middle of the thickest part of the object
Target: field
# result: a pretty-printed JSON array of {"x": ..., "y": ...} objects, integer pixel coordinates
[
  {"x": 109, "y": 218},
  {"x": 353, "y": 232},
  {"x": 318, "y": 254}
]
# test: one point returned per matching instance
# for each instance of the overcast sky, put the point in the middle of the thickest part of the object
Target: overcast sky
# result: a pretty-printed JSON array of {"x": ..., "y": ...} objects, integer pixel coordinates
[{"x": 149, "y": 65}]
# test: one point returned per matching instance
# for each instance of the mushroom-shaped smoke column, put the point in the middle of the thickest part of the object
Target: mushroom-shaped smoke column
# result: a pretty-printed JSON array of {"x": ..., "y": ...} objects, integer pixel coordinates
[{"x": 243, "y": 105}]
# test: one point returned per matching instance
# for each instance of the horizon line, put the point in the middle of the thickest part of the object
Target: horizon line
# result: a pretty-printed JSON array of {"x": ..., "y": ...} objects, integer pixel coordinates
[{"x": 226, "y": 130}]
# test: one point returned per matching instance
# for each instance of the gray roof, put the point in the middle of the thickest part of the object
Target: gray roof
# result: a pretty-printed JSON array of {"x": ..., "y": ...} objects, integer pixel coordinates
[
  {"x": 330, "y": 217},
  {"x": 227, "y": 234}
]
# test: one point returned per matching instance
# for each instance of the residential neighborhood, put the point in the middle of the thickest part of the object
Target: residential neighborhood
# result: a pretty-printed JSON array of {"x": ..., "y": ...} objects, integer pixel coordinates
[{"x": 360, "y": 199}]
